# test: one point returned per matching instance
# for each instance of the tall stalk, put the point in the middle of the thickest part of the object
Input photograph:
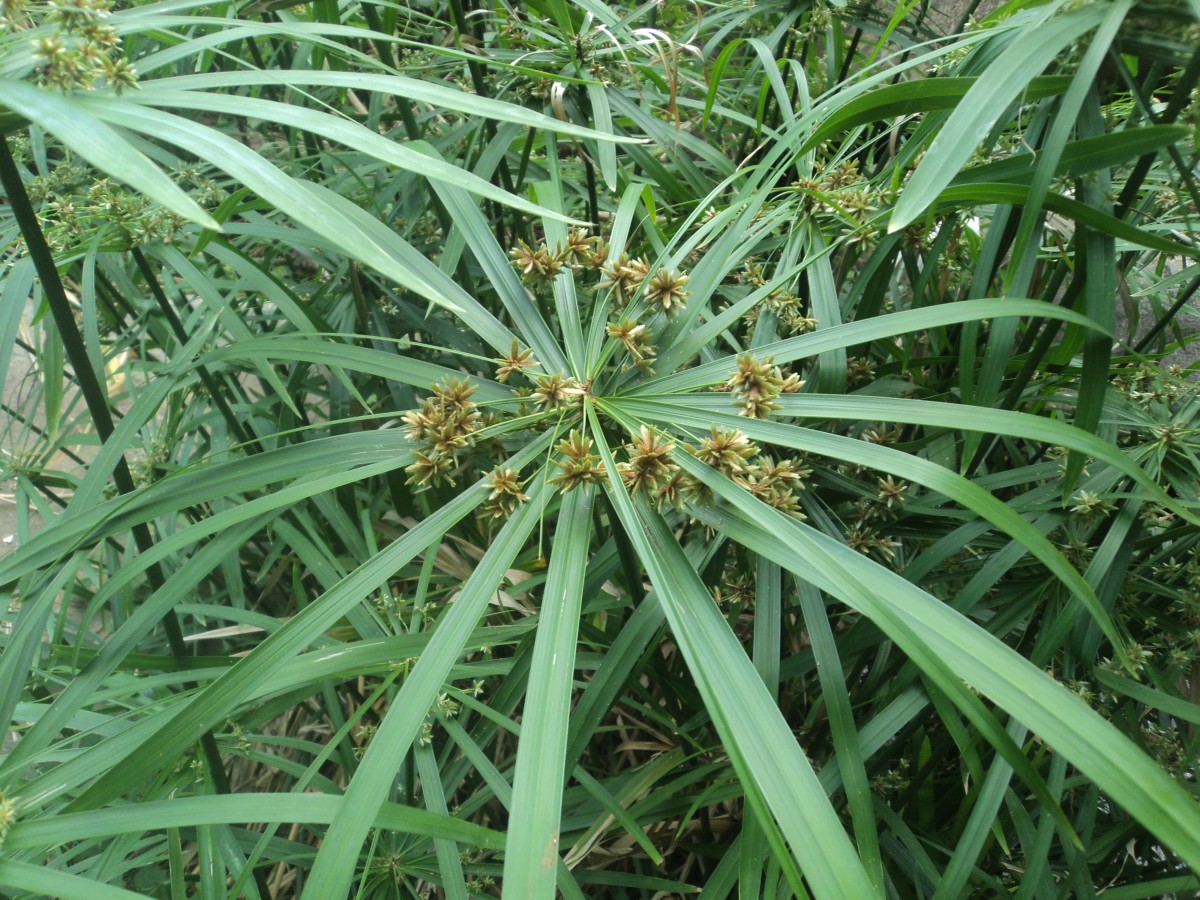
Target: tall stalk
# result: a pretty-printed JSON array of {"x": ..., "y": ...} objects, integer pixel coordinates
[{"x": 96, "y": 399}]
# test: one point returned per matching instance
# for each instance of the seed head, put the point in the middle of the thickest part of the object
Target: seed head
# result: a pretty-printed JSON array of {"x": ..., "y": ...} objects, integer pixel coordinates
[
  {"x": 537, "y": 267},
  {"x": 798, "y": 323},
  {"x": 860, "y": 370},
  {"x": 447, "y": 421},
  {"x": 666, "y": 288},
  {"x": 624, "y": 276},
  {"x": 72, "y": 14},
  {"x": 1091, "y": 507},
  {"x": 758, "y": 383},
  {"x": 557, "y": 390},
  {"x": 579, "y": 465},
  {"x": 672, "y": 492},
  {"x": 516, "y": 360},
  {"x": 506, "y": 494},
  {"x": 867, "y": 541},
  {"x": 580, "y": 249},
  {"x": 891, "y": 492},
  {"x": 454, "y": 392},
  {"x": 429, "y": 468},
  {"x": 841, "y": 176},
  {"x": 8, "y": 815},
  {"x": 777, "y": 483},
  {"x": 119, "y": 73},
  {"x": 726, "y": 451},
  {"x": 649, "y": 462},
  {"x": 636, "y": 339}
]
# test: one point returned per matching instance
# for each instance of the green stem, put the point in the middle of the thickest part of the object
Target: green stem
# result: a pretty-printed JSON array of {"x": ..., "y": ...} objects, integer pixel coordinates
[
  {"x": 1185, "y": 295},
  {"x": 479, "y": 81},
  {"x": 210, "y": 383},
  {"x": 1179, "y": 100},
  {"x": 96, "y": 400}
]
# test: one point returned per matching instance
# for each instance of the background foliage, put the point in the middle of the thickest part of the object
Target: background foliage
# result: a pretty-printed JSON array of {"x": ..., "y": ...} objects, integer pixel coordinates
[{"x": 606, "y": 449}]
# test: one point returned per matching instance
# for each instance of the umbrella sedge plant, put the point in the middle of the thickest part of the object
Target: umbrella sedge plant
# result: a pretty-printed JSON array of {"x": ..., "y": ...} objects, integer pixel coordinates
[{"x": 599, "y": 449}]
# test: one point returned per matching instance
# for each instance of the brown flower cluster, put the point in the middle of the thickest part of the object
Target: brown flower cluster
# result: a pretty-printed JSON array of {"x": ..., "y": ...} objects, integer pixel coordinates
[
  {"x": 445, "y": 424},
  {"x": 650, "y": 470},
  {"x": 538, "y": 265},
  {"x": 776, "y": 483},
  {"x": 758, "y": 383},
  {"x": 82, "y": 49}
]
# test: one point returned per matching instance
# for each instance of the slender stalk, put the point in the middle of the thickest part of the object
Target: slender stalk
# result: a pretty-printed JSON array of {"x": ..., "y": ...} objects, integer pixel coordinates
[
  {"x": 593, "y": 196},
  {"x": 967, "y": 14},
  {"x": 1184, "y": 296},
  {"x": 97, "y": 403},
  {"x": 1175, "y": 106},
  {"x": 850, "y": 51},
  {"x": 206, "y": 377},
  {"x": 15, "y": 415},
  {"x": 479, "y": 82},
  {"x": 630, "y": 566}
]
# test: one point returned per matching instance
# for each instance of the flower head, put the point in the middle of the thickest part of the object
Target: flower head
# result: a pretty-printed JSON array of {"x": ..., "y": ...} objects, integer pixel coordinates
[
  {"x": 757, "y": 384},
  {"x": 516, "y": 361},
  {"x": 579, "y": 465},
  {"x": 506, "y": 493},
  {"x": 624, "y": 276},
  {"x": 666, "y": 289},
  {"x": 538, "y": 267},
  {"x": 649, "y": 462},
  {"x": 727, "y": 451},
  {"x": 556, "y": 390}
]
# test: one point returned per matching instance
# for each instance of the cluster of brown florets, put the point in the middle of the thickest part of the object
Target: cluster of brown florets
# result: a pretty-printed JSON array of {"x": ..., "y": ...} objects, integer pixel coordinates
[
  {"x": 665, "y": 289},
  {"x": 517, "y": 361},
  {"x": 775, "y": 482},
  {"x": 1090, "y": 508},
  {"x": 790, "y": 314},
  {"x": 649, "y": 465},
  {"x": 860, "y": 370},
  {"x": 758, "y": 383},
  {"x": 737, "y": 587},
  {"x": 1147, "y": 385},
  {"x": 840, "y": 190},
  {"x": 505, "y": 493},
  {"x": 77, "y": 206},
  {"x": 106, "y": 210},
  {"x": 448, "y": 421},
  {"x": 8, "y": 815},
  {"x": 649, "y": 469},
  {"x": 557, "y": 390},
  {"x": 445, "y": 425},
  {"x": 842, "y": 199},
  {"x": 624, "y": 277},
  {"x": 870, "y": 542},
  {"x": 448, "y": 424},
  {"x": 1166, "y": 624},
  {"x": 635, "y": 337},
  {"x": 579, "y": 464},
  {"x": 81, "y": 51},
  {"x": 538, "y": 265}
]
